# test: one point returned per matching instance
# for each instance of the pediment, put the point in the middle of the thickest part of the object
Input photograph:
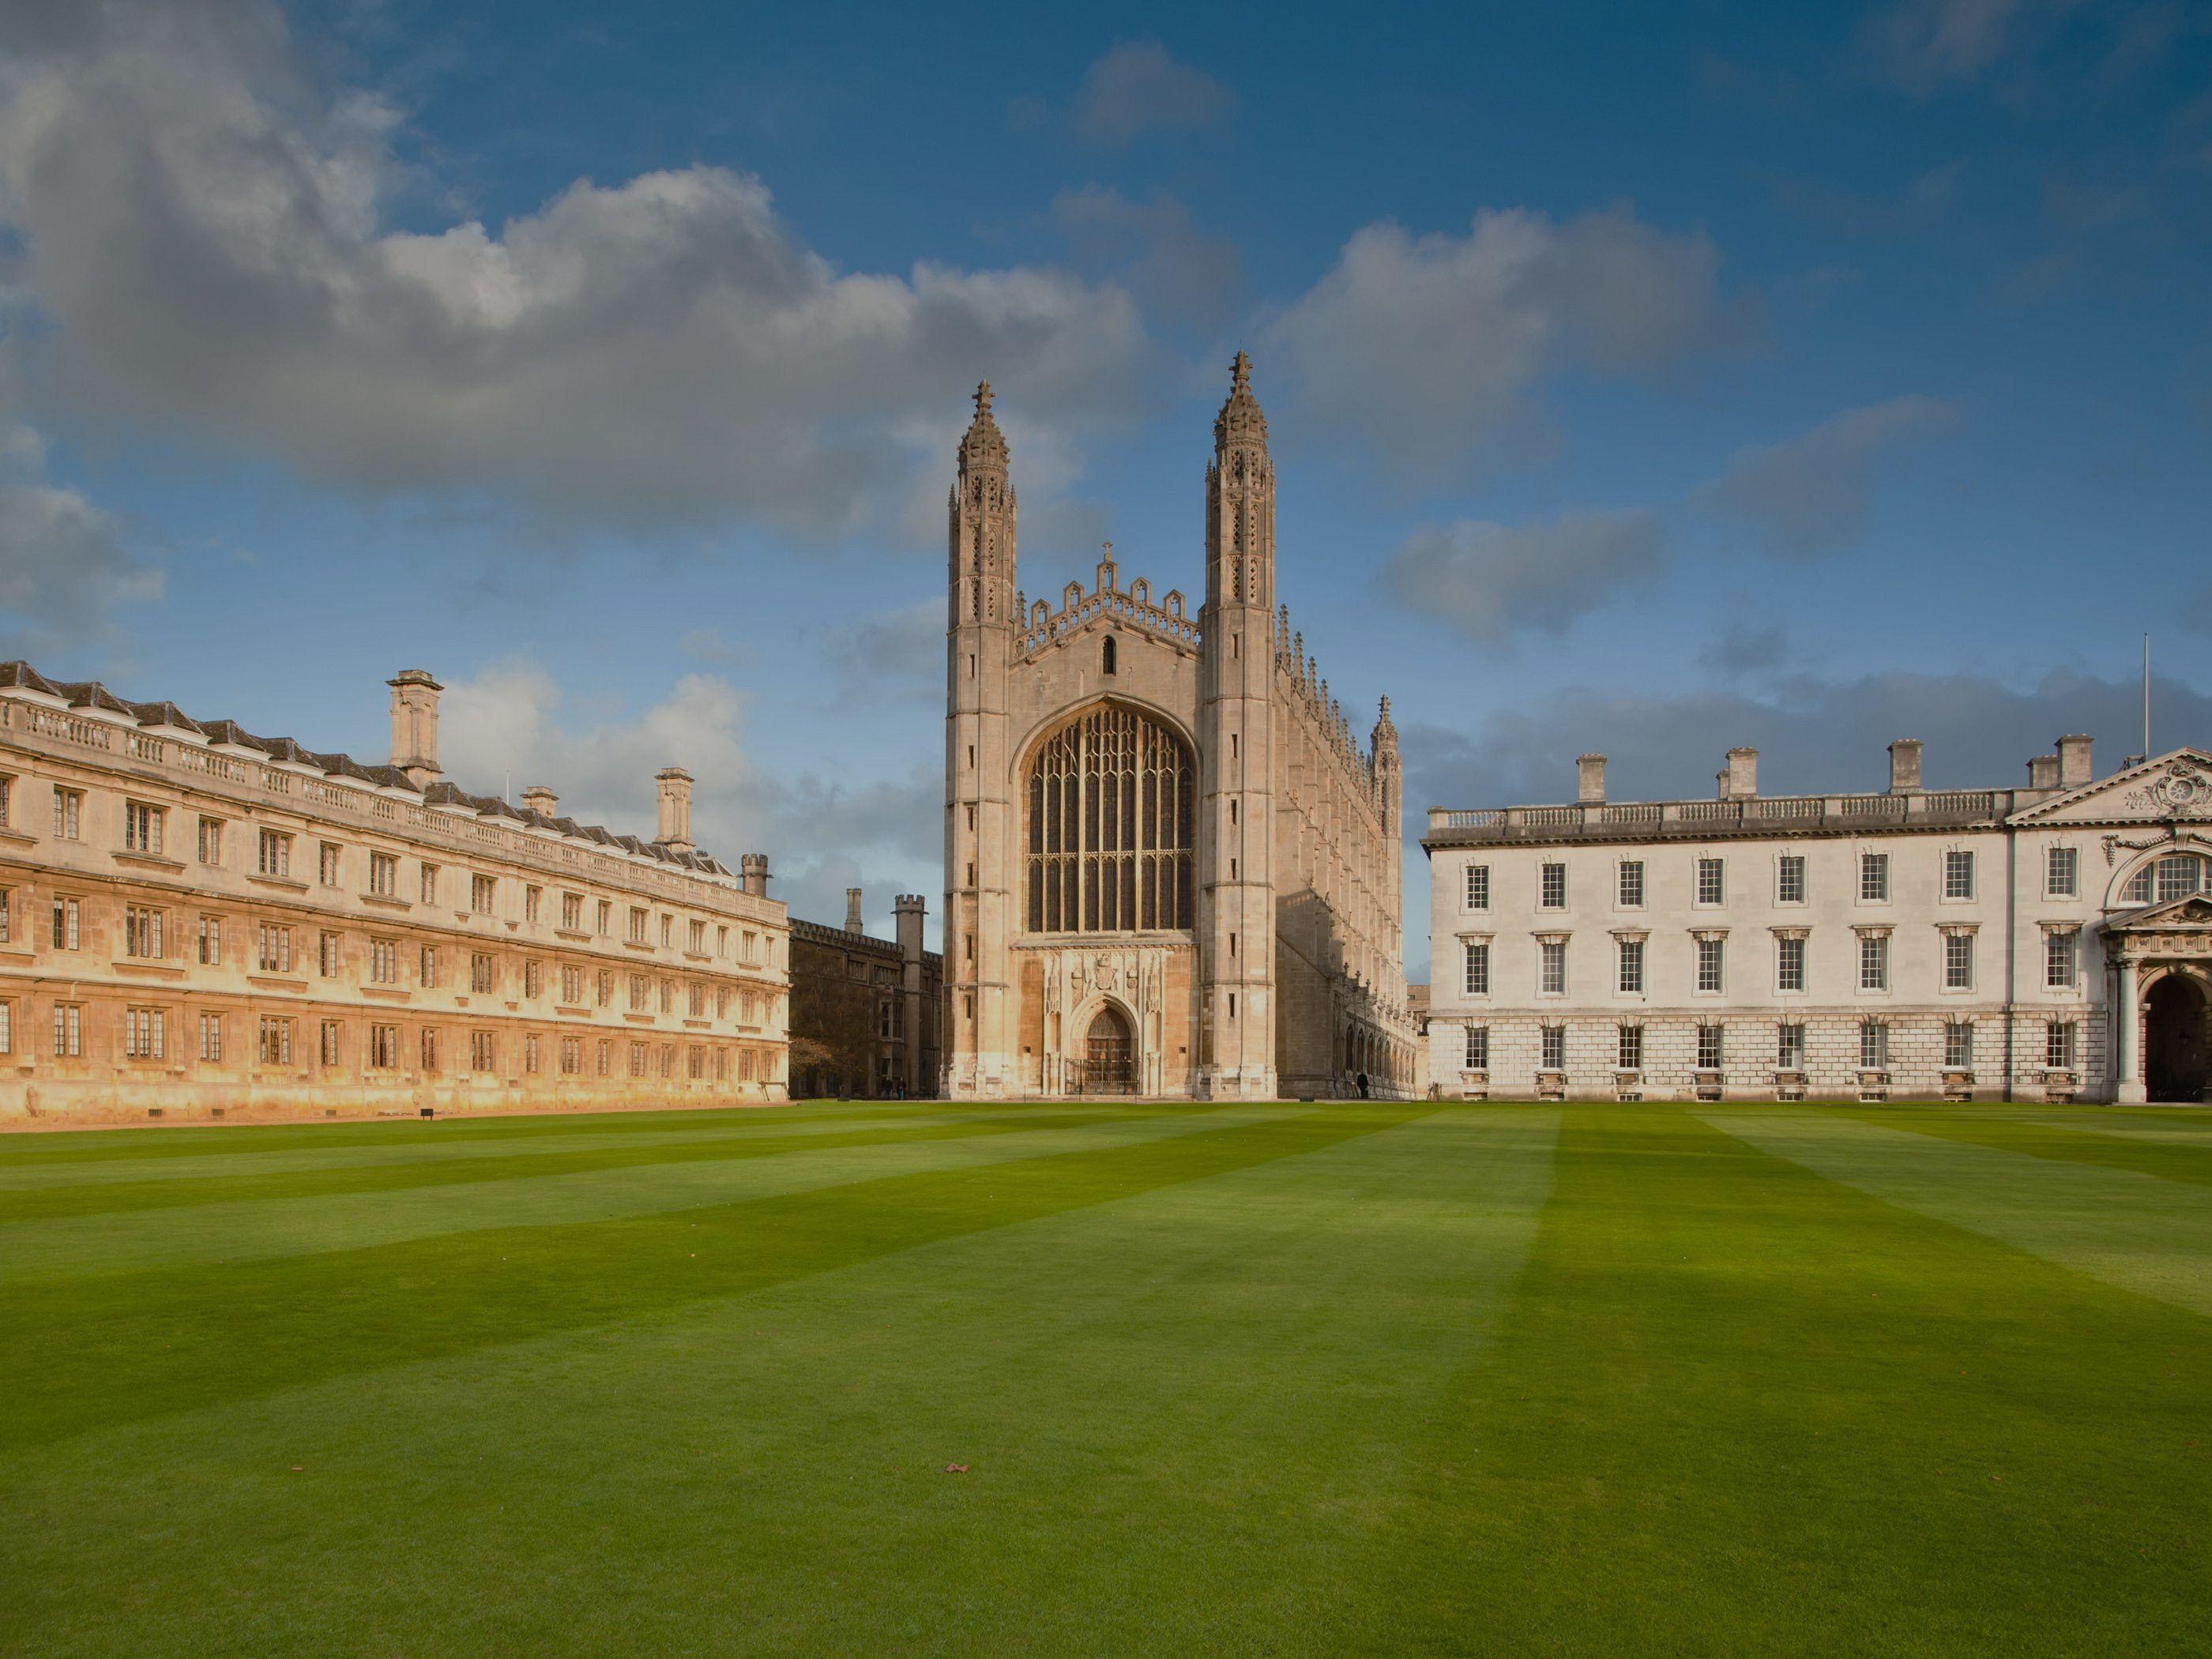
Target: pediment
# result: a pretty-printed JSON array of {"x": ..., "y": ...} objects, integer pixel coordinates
[
  {"x": 2178, "y": 785},
  {"x": 2192, "y": 910}
]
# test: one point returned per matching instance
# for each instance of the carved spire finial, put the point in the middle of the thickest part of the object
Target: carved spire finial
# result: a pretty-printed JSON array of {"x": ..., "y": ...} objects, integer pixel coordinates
[
  {"x": 984, "y": 442},
  {"x": 1240, "y": 420}
]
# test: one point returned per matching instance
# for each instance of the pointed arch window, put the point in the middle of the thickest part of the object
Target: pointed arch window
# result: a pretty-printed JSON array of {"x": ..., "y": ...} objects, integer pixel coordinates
[{"x": 1112, "y": 809}]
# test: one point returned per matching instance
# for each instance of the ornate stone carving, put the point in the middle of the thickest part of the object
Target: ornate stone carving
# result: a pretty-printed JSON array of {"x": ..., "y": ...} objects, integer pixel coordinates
[{"x": 2185, "y": 791}]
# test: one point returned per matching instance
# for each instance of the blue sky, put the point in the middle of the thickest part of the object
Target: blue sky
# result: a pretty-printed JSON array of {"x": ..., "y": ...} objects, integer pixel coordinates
[{"x": 1648, "y": 379}]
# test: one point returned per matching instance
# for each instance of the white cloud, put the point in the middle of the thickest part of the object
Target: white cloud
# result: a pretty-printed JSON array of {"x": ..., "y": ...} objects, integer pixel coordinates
[
  {"x": 512, "y": 724},
  {"x": 1923, "y": 46},
  {"x": 211, "y": 231},
  {"x": 1154, "y": 249},
  {"x": 907, "y": 644},
  {"x": 1492, "y": 580},
  {"x": 1811, "y": 494},
  {"x": 1428, "y": 347},
  {"x": 1136, "y": 89}
]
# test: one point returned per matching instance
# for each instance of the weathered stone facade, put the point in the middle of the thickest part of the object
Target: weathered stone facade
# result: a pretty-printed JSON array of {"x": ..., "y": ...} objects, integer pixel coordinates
[
  {"x": 198, "y": 922},
  {"x": 866, "y": 1014},
  {"x": 1169, "y": 868},
  {"x": 2050, "y": 943}
]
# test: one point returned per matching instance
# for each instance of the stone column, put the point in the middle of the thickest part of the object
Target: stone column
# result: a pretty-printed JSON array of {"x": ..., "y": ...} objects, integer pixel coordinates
[{"x": 2130, "y": 1090}]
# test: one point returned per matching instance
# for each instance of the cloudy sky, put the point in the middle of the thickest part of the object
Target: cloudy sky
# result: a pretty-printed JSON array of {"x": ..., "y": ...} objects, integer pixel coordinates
[{"x": 1644, "y": 379}]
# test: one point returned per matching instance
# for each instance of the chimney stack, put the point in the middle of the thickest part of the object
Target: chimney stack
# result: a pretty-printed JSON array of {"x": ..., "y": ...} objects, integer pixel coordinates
[
  {"x": 2074, "y": 768},
  {"x": 1590, "y": 779},
  {"x": 753, "y": 869},
  {"x": 2043, "y": 772},
  {"x": 674, "y": 808},
  {"x": 540, "y": 799},
  {"x": 1904, "y": 767},
  {"x": 415, "y": 726},
  {"x": 852, "y": 911},
  {"x": 1740, "y": 781}
]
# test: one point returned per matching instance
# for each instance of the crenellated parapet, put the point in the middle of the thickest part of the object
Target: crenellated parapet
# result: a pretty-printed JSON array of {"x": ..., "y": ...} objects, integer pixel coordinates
[
  {"x": 1308, "y": 701},
  {"x": 1133, "y": 606}
]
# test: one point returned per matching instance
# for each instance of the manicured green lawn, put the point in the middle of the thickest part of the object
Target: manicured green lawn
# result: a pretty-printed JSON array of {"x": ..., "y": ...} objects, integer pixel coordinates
[{"x": 1254, "y": 1380}]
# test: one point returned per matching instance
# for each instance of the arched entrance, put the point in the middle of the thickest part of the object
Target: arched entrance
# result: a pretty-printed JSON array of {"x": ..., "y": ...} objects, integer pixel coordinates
[
  {"x": 2177, "y": 1062},
  {"x": 1109, "y": 1054}
]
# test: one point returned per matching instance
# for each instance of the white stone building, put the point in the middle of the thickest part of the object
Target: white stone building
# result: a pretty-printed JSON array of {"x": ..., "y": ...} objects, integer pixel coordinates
[{"x": 2049, "y": 943}]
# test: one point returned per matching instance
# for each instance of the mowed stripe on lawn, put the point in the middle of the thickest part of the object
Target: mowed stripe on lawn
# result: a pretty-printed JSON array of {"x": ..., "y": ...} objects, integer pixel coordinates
[
  {"x": 2169, "y": 1160},
  {"x": 1737, "y": 1407},
  {"x": 188, "y": 1336},
  {"x": 2143, "y": 1232},
  {"x": 1188, "y": 1411}
]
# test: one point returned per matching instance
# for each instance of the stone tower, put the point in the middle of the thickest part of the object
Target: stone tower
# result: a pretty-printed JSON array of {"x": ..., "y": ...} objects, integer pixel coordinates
[
  {"x": 1236, "y": 757},
  {"x": 979, "y": 825}
]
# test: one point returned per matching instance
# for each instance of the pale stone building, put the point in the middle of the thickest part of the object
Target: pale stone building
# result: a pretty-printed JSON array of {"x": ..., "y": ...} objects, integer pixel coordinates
[
  {"x": 1169, "y": 868},
  {"x": 868, "y": 1014},
  {"x": 198, "y": 922},
  {"x": 2051, "y": 942}
]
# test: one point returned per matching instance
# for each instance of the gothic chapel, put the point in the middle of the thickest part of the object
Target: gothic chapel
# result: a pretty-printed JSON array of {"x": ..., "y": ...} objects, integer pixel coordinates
[{"x": 1170, "y": 870}]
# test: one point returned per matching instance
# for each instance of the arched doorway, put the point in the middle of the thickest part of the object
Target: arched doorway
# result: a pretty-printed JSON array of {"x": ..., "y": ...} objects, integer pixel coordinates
[
  {"x": 1109, "y": 1054},
  {"x": 2177, "y": 1065}
]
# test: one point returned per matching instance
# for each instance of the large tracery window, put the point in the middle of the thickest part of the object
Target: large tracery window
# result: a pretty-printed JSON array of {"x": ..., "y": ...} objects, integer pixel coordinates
[{"x": 1111, "y": 797}]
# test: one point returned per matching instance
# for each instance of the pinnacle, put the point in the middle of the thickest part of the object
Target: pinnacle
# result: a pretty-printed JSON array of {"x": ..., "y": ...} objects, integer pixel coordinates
[
  {"x": 1240, "y": 420},
  {"x": 983, "y": 441}
]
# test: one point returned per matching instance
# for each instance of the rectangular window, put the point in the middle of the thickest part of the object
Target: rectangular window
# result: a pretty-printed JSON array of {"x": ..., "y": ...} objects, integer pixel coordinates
[
  {"x": 533, "y": 978},
  {"x": 572, "y": 985},
  {"x": 2062, "y": 873},
  {"x": 667, "y": 932},
  {"x": 7, "y": 797},
  {"x": 638, "y": 993},
  {"x": 1552, "y": 967},
  {"x": 1630, "y": 1058},
  {"x": 699, "y": 1003},
  {"x": 1959, "y": 1045},
  {"x": 1874, "y": 1046},
  {"x": 1790, "y": 1048},
  {"x": 383, "y": 962},
  {"x": 604, "y": 1061},
  {"x": 7, "y": 915},
  {"x": 275, "y": 1041},
  {"x": 483, "y": 1052},
  {"x": 637, "y": 1060},
  {"x": 668, "y": 996},
  {"x": 1873, "y": 962},
  {"x": 144, "y": 1033},
  {"x": 532, "y": 898},
  {"x": 69, "y": 1030},
  {"x": 745, "y": 1067},
  {"x": 141, "y": 932},
  {"x": 330, "y": 1042},
  {"x": 606, "y": 987},
  {"x": 606, "y": 918},
  {"x": 2061, "y": 957},
  {"x": 721, "y": 1065},
  {"x": 7, "y": 1028},
  {"x": 1631, "y": 884},
  {"x": 69, "y": 814},
  {"x": 384, "y": 1047},
  {"x": 1958, "y": 875},
  {"x": 1711, "y": 887},
  {"x": 429, "y": 1047},
  {"x": 572, "y": 1056},
  {"x": 384, "y": 875},
  {"x": 2059, "y": 1045},
  {"x": 274, "y": 953},
  {"x": 572, "y": 912},
  {"x": 273, "y": 854},
  {"x": 530, "y": 1051},
  {"x": 1708, "y": 1048},
  {"x": 2179, "y": 875},
  {"x": 667, "y": 1058},
  {"x": 695, "y": 1062},
  {"x": 483, "y": 890},
  {"x": 636, "y": 923},
  {"x": 210, "y": 941},
  {"x": 428, "y": 967},
  {"x": 1555, "y": 1048},
  {"x": 698, "y": 938},
  {"x": 427, "y": 888},
  {"x": 484, "y": 973},
  {"x": 1874, "y": 877},
  {"x": 1790, "y": 879},
  {"x": 329, "y": 863},
  {"x": 1632, "y": 965},
  {"x": 1710, "y": 963},
  {"x": 210, "y": 840},
  {"x": 1790, "y": 964},
  {"x": 1478, "y": 887},
  {"x": 142, "y": 827},
  {"x": 1553, "y": 883},
  {"x": 66, "y": 933},
  {"x": 1957, "y": 962},
  {"x": 329, "y": 954}
]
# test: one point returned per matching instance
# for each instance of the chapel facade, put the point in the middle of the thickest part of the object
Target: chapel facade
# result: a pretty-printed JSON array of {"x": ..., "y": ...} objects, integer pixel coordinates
[{"x": 1170, "y": 869}]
